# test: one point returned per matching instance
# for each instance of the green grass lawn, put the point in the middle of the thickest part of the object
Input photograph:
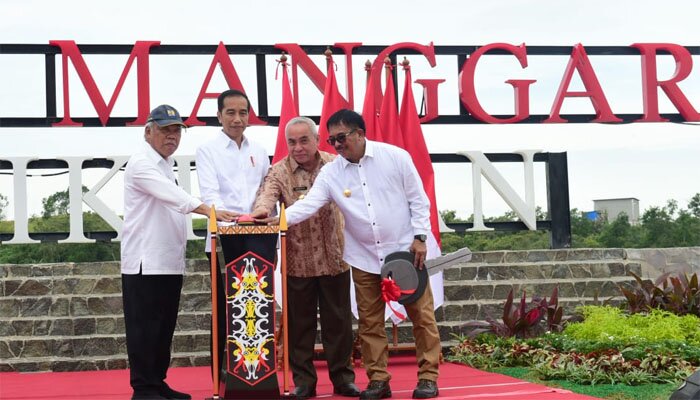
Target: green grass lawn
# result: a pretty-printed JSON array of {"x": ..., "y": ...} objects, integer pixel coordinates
[{"x": 612, "y": 392}]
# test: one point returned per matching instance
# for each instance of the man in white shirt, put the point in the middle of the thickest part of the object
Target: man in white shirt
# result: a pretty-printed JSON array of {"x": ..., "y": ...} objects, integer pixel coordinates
[
  {"x": 153, "y": 253},
  {"x": 230, "y": 169},
  {"x": 380, "y": 194}
]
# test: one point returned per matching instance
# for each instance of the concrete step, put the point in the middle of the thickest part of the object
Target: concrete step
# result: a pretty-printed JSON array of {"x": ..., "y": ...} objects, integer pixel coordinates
[
  {"x": 90, "y": 346},
  {"x": 109, "y": 351},
  {"x": 86, "y": 363},
  {"x": 88, "y": 325},
  {"x": 198, "y": 281},
  {"x": 459, "y": 309},
  {"x": 76, "y": 305},
  {"x": 105, "y": 269},
  {"x": 510, "y": 256},
  {"x": 542, "y": 270},
  {"x": 119, "y": 361},
  {"x": 19, "y": 286},
  {"x": 601, "y": 287}
]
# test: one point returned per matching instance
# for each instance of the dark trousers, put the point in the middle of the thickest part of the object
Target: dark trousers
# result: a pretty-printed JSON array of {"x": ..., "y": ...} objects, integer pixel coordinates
[
  {"x": 221, "y": 318},
  {"x": 332, "y": 296},
  {"x": 151, "y": 304}
]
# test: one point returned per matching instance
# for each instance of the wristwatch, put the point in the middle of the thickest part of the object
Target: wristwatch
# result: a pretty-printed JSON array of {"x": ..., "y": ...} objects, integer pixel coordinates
[{"x": 422, "y": 238}]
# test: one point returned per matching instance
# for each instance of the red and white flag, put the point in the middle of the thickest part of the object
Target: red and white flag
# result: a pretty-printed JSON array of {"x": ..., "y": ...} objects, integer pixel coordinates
[
  {"x": 389, "y": 113},
  {"x": 287, "y": 112},
  {"x": 370, "y": 113},
  {"x": 332, "y": 102},
  {"x": 414, "y": 143},
  {"x": 404, "y": 131}
]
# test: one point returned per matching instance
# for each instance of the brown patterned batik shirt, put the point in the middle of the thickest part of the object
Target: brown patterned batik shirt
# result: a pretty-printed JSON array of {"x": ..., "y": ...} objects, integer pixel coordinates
[{"x": 315, "y": 246}]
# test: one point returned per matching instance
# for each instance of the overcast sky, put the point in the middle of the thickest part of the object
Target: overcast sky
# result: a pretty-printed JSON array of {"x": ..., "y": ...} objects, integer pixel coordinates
[{"x": 652, "y": 162}]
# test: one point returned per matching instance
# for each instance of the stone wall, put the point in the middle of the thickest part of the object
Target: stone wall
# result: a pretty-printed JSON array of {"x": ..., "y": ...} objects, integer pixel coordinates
[
  {"x": 655, "y": 262},
  {"x": 68, "y": 316}
]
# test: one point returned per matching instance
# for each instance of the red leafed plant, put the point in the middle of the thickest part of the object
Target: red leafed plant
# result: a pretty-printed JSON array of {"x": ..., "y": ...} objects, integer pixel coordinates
[
  {"x": 645, "y": 295},
  {"x": 520, "y": 322},
  {"x": 677, "y": 294}
]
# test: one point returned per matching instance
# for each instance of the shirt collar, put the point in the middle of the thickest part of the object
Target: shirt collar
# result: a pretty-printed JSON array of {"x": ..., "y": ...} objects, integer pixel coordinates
[
  {"x": 153, "y": 155},
  {"x": 369, "y": 148},
  {"x": 226, "y": 141},
  {"x": 369, "y": 152}
]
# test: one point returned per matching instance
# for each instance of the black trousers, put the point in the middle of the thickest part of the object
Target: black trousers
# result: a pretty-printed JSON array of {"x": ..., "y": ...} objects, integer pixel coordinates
[
  {"x": 151, "y": 304},
  {"x": 332, "y": 296}
]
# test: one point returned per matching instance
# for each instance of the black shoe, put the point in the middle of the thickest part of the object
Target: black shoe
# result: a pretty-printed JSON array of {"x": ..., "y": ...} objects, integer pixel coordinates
[
  {"x": 347, "y": 389},
  {"x": 169, "y": 393},
  {"x": 376, "y": 390},
  {"x": 303, "y": 392},
  {"x": 426, "y": 389},
  {"x": 146, "y": 395}
]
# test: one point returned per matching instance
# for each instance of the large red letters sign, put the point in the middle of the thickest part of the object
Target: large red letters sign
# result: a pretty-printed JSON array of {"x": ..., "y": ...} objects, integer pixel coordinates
[{"x": 578, "y": 62}]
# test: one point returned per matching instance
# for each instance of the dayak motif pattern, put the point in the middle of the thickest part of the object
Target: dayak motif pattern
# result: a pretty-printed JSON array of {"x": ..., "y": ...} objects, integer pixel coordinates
[
  {"x": 247, "y": 229},
  {"x": 250, "y": 299}
]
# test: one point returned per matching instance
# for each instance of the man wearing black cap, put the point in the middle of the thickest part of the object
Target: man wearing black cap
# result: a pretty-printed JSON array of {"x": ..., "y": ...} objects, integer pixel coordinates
[
  {"x": 153, "y": 253},
  {"x": 378, "y": 190}
]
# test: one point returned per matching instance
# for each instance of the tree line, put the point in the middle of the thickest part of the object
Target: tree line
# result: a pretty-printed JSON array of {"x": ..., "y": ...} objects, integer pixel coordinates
[{"x": 659, "y": 226}]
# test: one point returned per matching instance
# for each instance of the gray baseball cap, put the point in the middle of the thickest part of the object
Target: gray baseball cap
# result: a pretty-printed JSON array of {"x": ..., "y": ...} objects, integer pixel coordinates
[{"x": 165, "y": 115}]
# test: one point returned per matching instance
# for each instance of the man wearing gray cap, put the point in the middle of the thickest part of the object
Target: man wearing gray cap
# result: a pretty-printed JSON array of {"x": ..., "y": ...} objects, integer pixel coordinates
[{"x": 153, "y": 253}]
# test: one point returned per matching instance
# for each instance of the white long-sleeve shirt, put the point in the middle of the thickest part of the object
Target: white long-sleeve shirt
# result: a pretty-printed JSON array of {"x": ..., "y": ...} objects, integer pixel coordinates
[
  {"x": 381, "y": 198},
  {"x": 155, "y": 230},
  {"x": 230, "y": 176}
]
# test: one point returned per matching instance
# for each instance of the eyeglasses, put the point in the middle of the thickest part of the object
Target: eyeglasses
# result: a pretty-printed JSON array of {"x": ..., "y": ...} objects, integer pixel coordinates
[{"x": 340, "y": 138}]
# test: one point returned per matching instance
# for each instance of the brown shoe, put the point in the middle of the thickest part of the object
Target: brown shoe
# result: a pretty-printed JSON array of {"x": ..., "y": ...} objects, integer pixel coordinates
[
  {"x": 376, "y": 390},
  {"x": 426, "y": 389}
]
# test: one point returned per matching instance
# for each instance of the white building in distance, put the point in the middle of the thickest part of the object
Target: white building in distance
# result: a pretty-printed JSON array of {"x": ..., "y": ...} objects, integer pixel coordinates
[{"x": 612, "y": 208}]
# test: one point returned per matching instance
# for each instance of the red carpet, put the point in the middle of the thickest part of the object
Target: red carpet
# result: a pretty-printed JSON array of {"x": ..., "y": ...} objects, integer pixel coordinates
[{"x": 456, "y": 382}]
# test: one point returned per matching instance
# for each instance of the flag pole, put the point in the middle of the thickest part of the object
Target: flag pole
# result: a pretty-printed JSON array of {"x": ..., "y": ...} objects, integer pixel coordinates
[
  {"x": 214, "y": 311},
  {"x": 285, "y": 326}
]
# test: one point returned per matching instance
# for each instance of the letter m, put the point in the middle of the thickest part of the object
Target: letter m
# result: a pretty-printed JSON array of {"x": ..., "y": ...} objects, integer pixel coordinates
[{"x": 140, "y": 52}]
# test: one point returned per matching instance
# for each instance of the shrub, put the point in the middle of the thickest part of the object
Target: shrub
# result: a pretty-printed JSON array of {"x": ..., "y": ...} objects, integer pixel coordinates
[
  {"x": 607, "y": 324},
  {"x": 611, "y": 367},
  {"x": 588, "y": 368},
  {"x": 677, "y": 294},
  {"x": 497, "y": 352},
  {"x": 520, "y": 322},
  {"x": 644, "y": 295}
]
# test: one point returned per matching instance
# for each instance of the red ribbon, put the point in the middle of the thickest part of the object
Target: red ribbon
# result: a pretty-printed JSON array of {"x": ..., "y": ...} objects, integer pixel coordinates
[{"x": 391, "y": 292}]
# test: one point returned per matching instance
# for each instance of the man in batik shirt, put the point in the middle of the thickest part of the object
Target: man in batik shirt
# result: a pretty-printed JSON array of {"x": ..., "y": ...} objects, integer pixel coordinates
[{"x": 316, "y": 271}]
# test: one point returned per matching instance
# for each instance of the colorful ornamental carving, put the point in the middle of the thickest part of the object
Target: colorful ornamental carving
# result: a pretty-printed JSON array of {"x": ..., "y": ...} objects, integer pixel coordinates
[{"x": 250, "y": 318}]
